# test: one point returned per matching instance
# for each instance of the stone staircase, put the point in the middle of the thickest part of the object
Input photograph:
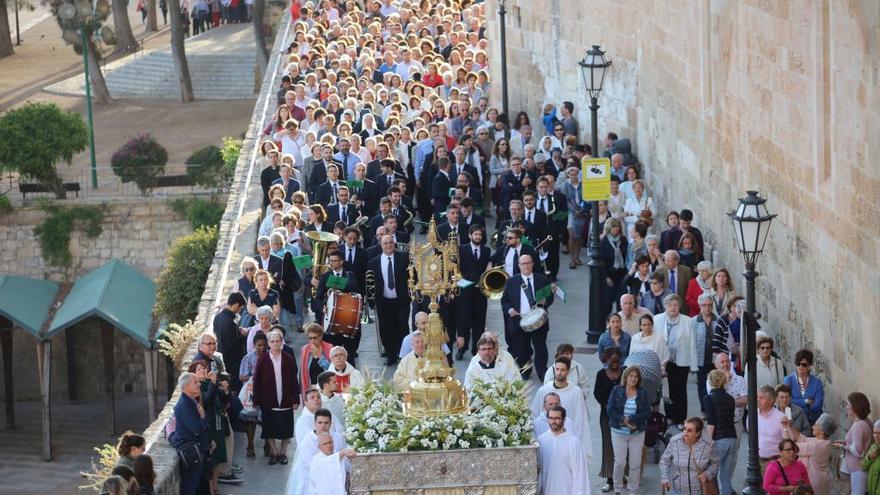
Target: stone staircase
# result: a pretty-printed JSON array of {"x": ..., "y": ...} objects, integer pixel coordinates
[{"x": 221, "y": 65}]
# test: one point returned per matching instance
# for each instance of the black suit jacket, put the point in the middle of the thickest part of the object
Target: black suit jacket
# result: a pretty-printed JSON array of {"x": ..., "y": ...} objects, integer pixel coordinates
[
  {"x": 319, "y": 174},
  {"x": 382, "y": 184},
  {"x": 440, "y": 192},
  {"x": 321, "y": 296},
  {"x": 324, "y": 196},
  {"x": 512, "y": 188},
  {"x": 501, "y": 255},
  {"x": 510, "y": 298},
  {"x": 539, "y": 226},
  {"x": 351, "y": 214},
  {"x": 368, "y": 195},
  {"x": 470, "y": 267},
  {"x": 444, "y": 229},
  {"x": 401, "y": 263},
  {"x": 359, "y": 267},
  {"x": 555, "y": 203},
  {"x": 290, "y": 283},
  {"x": 475, "y": 219},
  {"x": 470, "y": 169},
  {"x": 374, "y": 168},
  {"x": 267, "y": 177},
  {"x": 276, "y": 268},
  {"x": 325, "y": 227},
  {"x": 520, "y": 224}
]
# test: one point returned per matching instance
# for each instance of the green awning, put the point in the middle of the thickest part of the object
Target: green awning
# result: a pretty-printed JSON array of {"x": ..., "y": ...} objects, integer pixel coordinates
[
  {"x": 26, "y": 301},
  {"x": 115, "y": 292}
]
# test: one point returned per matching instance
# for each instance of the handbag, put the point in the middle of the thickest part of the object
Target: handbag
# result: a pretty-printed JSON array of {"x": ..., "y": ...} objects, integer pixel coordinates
[
  {"x": 190, "y": 455},
  {"x": 708, "y": 487}
]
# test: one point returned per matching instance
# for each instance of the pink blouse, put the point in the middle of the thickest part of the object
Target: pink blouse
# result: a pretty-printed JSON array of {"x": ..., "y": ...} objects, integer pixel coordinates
[{"x": 774, "y": 480}]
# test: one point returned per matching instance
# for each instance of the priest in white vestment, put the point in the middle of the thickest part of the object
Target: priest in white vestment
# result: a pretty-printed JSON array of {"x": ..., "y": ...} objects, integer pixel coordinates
[
  {"x": 346, "y": 374},
  {"x": 306, "y": 448},
  {"x": 332, "y": 400},
  {"x": 329, "y": 468},
  {"x": 408, "y": 368},
  {"x": 487, "y": 367},
  {"x": 306, "y": 420},
  {"x": 540, "y": 424},
  {"x": 571, "y": 398},
  {"x": 561, "y": 459}
]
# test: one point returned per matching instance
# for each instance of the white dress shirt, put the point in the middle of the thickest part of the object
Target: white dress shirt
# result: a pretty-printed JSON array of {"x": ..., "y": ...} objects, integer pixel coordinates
[
  {"x": 524, "y": 306},
  {"x": 388, "y": 292},
  {"x": 511, "y": 260}
]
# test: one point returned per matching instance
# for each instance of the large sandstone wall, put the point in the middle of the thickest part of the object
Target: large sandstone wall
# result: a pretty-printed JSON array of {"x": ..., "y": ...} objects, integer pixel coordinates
[{"x": 721, "y": 96}]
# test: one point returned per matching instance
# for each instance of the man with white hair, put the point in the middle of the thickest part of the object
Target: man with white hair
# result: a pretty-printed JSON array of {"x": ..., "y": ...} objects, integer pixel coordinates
[
  {"x": 617, "y": 166},
  {"x": 298, "y": 482},
  {"x": 347, "y": 376},
  {"x": 630, "y": 314},
  {"x": 408, "y": 368},
  {"x": 191, "y": 427},
  {"x": 677, "y": 276},
  {"x": 328, "y": 470}
]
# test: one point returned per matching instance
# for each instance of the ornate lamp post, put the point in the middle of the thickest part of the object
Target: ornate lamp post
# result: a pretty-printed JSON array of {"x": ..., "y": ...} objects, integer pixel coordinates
[
  {"x": 83, "y": 18},
  {"x": 593, "y": 68},
  {"x": 751, "y": 224},
  {"x": 502, "y": 11}
]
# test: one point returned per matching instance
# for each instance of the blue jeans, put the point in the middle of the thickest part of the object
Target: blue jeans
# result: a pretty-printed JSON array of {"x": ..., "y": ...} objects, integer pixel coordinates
[{"x": 725, "y": 449}]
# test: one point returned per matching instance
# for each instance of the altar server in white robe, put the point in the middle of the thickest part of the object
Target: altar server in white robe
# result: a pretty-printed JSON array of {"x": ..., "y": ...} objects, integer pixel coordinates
[
  {"x": 571, "y": 398},
  {"x": 305, "y": 423},
  {"x": 329, "y": 468},
  {"x": 540, "y": 424},
  {"x": 561, "y": 458},
  {"x": 487, "y": 366},
  {"x": 306, "y": 448}
]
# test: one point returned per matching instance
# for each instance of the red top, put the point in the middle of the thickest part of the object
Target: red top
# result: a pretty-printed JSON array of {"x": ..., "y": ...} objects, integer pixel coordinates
[{"x": 691, "y": 297}]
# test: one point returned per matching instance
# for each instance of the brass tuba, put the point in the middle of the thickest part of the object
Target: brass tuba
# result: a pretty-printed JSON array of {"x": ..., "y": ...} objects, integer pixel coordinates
[
  {"x": 320, "y": 242},
  {"x": 492, "y": 282}
]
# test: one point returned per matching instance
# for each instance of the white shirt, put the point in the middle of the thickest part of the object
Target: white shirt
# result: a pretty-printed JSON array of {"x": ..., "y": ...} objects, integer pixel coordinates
[
  {"x": 524, "y": 306},
  {"x": 349, "y": 253},
  {"x": 388, "y": 292},
  {"x": 502, "y": 370},
  {"x": 530, "y": 215},
  {"x": 276, "y": 365},
  {"x": 511, "y": 259}
]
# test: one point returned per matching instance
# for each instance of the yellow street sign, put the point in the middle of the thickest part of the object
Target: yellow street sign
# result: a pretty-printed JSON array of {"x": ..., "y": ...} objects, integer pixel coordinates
[{"x": 596, "y": 177}]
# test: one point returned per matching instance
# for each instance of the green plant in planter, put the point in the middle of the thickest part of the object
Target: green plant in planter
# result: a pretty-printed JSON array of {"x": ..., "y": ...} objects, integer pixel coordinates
[
  {"x": 141, "y": 160},
  {"x": 182, "y": 282},
  {"x": 54, "y": 232}
]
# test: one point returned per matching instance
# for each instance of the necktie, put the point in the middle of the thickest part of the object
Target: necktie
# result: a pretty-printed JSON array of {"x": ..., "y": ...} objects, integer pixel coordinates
[
  {"x": 351, "y": 256},
  {"x": 543, "y": 205},
  {"x": 530, "y": 292},
  {"x": 515, "y": 262},
  {"x": 334, "y": 192},
  {"x": 342, "y": 215},
  {"x": 476, "y": 254},
  {"x": 672, "y": 286},
  {"x": 529, "y": 217},
  {"x": 389, "y": 179},
  {"x": 390, "y": 275}
]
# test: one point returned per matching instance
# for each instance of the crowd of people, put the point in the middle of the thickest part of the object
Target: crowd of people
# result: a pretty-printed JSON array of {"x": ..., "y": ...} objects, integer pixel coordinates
[{"x": 384, "y": 126}]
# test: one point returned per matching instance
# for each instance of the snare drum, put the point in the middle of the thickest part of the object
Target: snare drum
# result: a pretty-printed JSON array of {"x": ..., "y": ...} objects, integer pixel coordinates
[
  {"x": 343, "y": 313},
  {"x": 533, "y": 320}
]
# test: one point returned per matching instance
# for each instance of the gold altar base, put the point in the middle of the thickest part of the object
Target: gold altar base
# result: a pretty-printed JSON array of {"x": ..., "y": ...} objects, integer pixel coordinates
[
  {"x": 431, "y": 399},
  {"x": 499, "y": 471}
]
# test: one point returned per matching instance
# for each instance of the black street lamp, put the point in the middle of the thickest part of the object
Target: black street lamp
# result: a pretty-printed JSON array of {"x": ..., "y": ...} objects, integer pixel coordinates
[
  {"x": 751, "y": 223},
  {"x": 502, "y": 11},
  {"x": 593, "y": 68}
]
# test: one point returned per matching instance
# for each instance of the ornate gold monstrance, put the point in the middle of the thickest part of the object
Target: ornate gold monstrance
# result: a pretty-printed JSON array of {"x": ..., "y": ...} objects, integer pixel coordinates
[{"x": 433, "y": 273}]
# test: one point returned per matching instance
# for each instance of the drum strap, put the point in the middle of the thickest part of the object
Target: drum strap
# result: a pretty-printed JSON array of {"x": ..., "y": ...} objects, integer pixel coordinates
[{"x": 530, "y": 293}]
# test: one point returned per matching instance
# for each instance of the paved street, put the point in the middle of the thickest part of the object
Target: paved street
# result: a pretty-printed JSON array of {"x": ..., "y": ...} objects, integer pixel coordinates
[{"x": 567, "y": 324}]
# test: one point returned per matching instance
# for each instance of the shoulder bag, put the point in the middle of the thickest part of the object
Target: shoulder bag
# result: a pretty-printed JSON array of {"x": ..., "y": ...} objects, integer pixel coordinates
[
  {"x": 190, "y": 455},
  {"x": 708, "y": 487}
]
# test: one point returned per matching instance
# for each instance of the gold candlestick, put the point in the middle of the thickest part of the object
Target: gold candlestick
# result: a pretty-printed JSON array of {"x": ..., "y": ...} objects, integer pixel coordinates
[{"x": 434, "y": 273}]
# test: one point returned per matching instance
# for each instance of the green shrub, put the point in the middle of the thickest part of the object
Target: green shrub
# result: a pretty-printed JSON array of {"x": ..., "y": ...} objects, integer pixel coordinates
[
  {"x": 5, "y": 205},
  {"x": 141, "y": 160},
  {"x": 54, "y": 232},
  {"x": 230, "y": 151},
  {"x": 36, "y": 137},
  {"x": 206, "y": 167},
  {"x": 199, "y": 212},
  {"x": 182, "y": 282}
]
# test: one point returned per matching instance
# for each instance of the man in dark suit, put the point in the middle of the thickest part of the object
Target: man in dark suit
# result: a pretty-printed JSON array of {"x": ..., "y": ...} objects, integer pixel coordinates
[
  {"x": 343, "y": 210},
  {"x": 535, "y": 217},
  {"x": 289, "y": 282},
  {"x": 404, "y": 215},
  {"x": 377, "y": 221},
  {"x": 677, "y": 276},
  {"x": 269, "y": 175},
  {"x": 551, "y": 203},
  {"x": 386, "y": 179},
  {"x": 230, "y": 343},
  {"x": 516, "y": 220},
  {"x": 392, "y": 296},
  {"x": 440, "y": 187},
  {"x": 365, "y": 195},
  {"x": 319, "y": 169},
  {"x": 375, "y": 249},
  {"x": 355, "y": 257},
  {"x": 515, "y": 181},
  {"x": 673, "y": 236},
  {"x": 453, "y": 223},
  {"x": 519, "y": 297},
  {"x": 319, "y": 302},
  {"x": 375, "y": 167},
  {"x": 470, "y": 304},
  {"x": 328, "y": 192},
  {"x": 469, "y": 217},
  {"x": 464, "y": 182},
  {"x": 391, "y": 228},
  {"x": 269, "y": 262},
  {"x": 462, "y": 166}
]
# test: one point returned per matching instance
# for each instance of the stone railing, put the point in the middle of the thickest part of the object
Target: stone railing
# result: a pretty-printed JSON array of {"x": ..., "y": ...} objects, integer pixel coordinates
[{"x": 237, "y": 238}]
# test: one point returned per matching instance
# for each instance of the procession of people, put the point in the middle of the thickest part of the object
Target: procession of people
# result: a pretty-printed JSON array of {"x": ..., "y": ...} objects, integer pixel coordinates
[{"x": 384, "y": 126}]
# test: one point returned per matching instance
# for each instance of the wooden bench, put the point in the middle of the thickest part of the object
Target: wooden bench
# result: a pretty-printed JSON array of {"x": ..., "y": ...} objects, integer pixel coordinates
[
  {"x": 26, "y": 189},
  {"x": 174, "y": 181}
]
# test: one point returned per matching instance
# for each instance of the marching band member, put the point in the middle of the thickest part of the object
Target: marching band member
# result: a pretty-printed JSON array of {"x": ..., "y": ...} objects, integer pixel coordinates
[
  {"x": 520, "y": 296},
  {"x": 474, "y": 258}
]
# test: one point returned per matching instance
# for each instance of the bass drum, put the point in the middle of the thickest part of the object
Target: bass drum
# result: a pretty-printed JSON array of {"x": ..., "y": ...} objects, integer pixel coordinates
[
  {"x": 343, "y": 313},
  {"x": 533, "y": 320}
]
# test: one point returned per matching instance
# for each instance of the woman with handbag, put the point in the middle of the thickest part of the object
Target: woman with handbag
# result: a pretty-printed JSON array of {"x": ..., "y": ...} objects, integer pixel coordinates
[
  {"x": 689, "y": 465},
  {"x": 787, "y": 473},
  {"x": 190, "y": 437}
]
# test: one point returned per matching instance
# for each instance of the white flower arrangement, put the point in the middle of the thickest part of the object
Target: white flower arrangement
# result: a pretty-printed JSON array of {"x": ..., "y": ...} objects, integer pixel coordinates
[{"x": 499, "y": 418}]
